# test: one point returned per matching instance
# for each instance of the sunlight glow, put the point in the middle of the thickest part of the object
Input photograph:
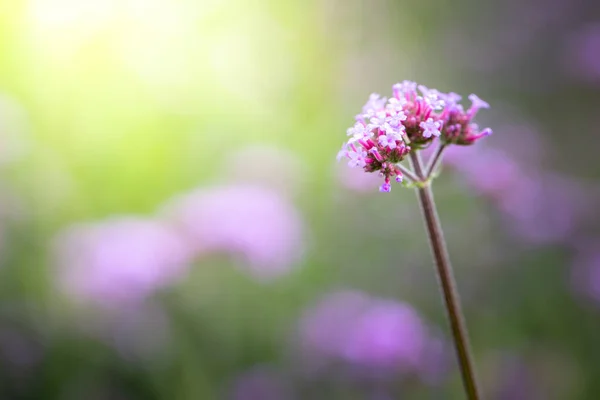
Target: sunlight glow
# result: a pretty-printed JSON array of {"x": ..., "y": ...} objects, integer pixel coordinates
[{"x": 176, "y": 48}]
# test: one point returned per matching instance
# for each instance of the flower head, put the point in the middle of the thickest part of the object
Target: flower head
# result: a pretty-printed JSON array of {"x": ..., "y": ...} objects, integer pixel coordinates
[
  {"x": 459, "y": 127},
  {"x": 388, "y": 130}
]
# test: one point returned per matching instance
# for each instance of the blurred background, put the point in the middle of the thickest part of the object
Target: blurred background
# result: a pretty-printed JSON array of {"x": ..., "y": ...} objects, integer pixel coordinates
[{"x": 174, "y": 225}]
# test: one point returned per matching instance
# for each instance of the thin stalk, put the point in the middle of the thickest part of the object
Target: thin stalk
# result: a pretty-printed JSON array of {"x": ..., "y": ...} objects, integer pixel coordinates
[
  {"x": 447, "y": 282},
  {"x": 408, "y": 173},
  {"x": 435, "y": 160}
]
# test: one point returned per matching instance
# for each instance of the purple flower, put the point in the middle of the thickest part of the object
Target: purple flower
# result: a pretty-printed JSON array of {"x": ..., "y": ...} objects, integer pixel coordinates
[
  {"x": 459, "y": 127},
  {"x": 389, "y": 140},
  {"x": 433, "y": 98},
  {"x": 359, "y": 132},
  {"x": 397, "y": 105},
  {"x": 582, "y": 53},
  {"x": 376, "y": 121},
  {"x": 476, "y": 104},
  {"x": 539, "y": 207},
  {"x": 430, "y": 127},
  {"x": 544, "y": 208},
  {"x": 119, "y": 260},
  {"x": 404, "y": 89},
  {"x": 395, "y": 119},
  {"x": 389, "y": 130},
  {"x": 374, "y": 338},
  {"x": 255, "y": 223},
  {"x": 492, "y": 172},
  {"x": 451, "y": 99},
  {"x": 367, "y": 332},
  {"x": 357, "y": 157},
  {"x": 374, "y": 104},
  {"x": 385, "y": 187}
]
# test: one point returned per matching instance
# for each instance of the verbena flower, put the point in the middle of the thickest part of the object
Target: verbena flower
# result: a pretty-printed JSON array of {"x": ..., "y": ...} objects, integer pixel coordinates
[
  {"x": 256, "y": 225},
  {"x": 388, "y": 130},
  {"x": 363, "y": 331},
  {"x": 458, "y": 125},
  {"x": 537, "y": 206},
  {"x": 119, "y": 261},
  {"x": 581, "y": 56}
]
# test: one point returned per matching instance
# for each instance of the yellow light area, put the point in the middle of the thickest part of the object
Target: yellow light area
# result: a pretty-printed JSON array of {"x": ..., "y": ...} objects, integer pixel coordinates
[
  {"x": 134, "y": 96},
  {"x": 173, "y": 47}
]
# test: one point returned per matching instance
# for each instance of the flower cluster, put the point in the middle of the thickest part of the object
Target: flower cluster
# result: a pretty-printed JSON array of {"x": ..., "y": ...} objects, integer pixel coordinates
[
  {"x": 458, "y": 126},
  {"x": 389, "y": 129}
]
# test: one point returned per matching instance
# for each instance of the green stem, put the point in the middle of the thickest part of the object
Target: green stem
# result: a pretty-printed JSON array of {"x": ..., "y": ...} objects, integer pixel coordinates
[
  {"x": 408, "y": 173},
  {"x": 447, "y": 281}
]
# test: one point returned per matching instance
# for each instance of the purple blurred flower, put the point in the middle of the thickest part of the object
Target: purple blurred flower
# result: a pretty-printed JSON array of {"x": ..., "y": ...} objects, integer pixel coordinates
[
  {"x": 540, "y": 207},
  {"x": 546, "y": 208},
  {"x": 252, "y": 222},
  {"x": 490, "y": 171},
  {"x": 364, "y": 331},
  {"x": 374, "y": 341},
  {"x": 582, "y": 53},
  {"x": 118, "y": 261},
  {"x": 260, "y": 383}
]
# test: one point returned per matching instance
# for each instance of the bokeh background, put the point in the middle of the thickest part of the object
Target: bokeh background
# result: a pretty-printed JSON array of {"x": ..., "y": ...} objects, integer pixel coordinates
[{"x": 174, "y": 225}]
